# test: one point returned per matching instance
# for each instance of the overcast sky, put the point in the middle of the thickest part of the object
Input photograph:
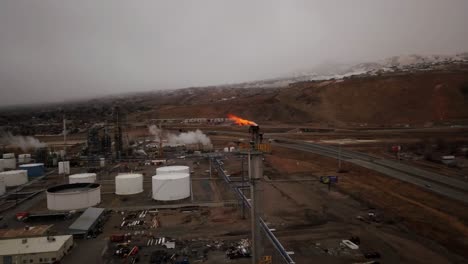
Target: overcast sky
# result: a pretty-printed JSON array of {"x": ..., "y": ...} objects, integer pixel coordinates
[{"x": 58, "y": 50}]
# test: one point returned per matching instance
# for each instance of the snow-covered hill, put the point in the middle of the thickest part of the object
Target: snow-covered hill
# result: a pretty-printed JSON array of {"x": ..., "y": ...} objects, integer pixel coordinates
[{"x": 388, "y": 65}]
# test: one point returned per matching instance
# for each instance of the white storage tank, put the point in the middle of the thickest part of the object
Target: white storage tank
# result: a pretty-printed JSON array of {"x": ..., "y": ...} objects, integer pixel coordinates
[
  {"x": 24, "y": 158},
  {"x": 82, "y": 178},
  {"x": 126, "y": 184},
  {"x": 14, "y": 177},
  {"x": 73, "y": 196},
  {"x": 9, "y": 163},
  {"x": 226, "y": 149},
  {"x": 2, "y": 187},
  {"x": 9, "y": 155},
  {"x": 171, "y": 186},
  {"x": 64, "y": 167},
  {"x": 172, "y": 169}
]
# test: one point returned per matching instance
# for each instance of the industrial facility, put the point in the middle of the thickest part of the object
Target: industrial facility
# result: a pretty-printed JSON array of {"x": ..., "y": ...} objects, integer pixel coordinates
[{"x": 147, "y": 188}]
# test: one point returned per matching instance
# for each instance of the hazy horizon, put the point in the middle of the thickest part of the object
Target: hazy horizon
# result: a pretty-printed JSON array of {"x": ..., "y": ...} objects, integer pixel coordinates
[{"x": 51, "y": 51}]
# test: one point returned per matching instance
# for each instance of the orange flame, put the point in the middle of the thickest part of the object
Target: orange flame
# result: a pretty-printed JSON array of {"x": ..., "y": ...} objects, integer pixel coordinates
[{"x": 240, "y": 121}]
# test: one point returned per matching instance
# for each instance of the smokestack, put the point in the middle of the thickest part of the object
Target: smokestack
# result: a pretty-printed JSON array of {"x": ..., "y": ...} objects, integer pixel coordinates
[
  {"x": 255, "y": 165},
  {"x": 256, "y": 136}
]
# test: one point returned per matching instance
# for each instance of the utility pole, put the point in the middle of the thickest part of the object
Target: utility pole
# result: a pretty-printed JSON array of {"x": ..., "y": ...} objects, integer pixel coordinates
[
  {"x": 64, "y": 136},
  {"x": 209, "y": 158},
  {"x": 339, "y": 157},
  {"x": 243, "y": 185}
]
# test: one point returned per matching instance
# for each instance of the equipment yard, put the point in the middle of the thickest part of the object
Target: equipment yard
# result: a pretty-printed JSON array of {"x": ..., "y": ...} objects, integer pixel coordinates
[{"x": 392, "y": 211}]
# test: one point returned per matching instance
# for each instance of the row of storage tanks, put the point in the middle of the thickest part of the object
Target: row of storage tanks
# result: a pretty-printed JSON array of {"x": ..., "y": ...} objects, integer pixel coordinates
[
  {"x": 8, "y": 160},
  {"x": 12, "y": 177},
  {"x": 170, "y": 183}
]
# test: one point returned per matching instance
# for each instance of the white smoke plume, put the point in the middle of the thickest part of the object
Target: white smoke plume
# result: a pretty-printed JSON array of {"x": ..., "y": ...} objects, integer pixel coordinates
[
  {"x": 23, "y": 142},
  {"x": 191, "y": 137},
  {"x": 155, "y": 131}
]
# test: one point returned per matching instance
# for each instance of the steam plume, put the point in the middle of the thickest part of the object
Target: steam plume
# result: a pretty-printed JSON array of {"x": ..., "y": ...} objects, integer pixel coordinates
[
  {"x": 23, "y": 142},
  {"x": 155, "y": 131},
  {"x": 191, "y": 137}
]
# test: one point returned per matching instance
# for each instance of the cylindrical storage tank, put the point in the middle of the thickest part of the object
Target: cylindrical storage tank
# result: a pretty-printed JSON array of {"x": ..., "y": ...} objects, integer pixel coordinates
[
  {"x": 2, "y": 187},
  {"x": 126, "y": 184},
  {"x": 9, "y": 155},
  {"x": 226, "y": 149},
  {"x": 34, "y": 169},
  {"x": 82, "y": 178},
  {"x": 14, "y": 177},
  {"x": 24, "y": 158},
  {"x": 231, "y": 149},
  {"x": 9, "y": 163},
  {"x": 73, "y": 196},
  {"x": 64, "y": 167},
  {"x": 172, "y": 169},
  {"x": 102, "y": 162},
  {"x": 171, "y": 186}
]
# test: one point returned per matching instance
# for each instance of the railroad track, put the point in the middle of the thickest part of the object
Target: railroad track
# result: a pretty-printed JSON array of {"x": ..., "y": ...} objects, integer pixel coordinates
[{"x": 431, "y": 181}]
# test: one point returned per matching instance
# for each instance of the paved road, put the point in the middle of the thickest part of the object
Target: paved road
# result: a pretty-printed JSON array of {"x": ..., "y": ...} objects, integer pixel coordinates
[{"x": 437, "y": 183}]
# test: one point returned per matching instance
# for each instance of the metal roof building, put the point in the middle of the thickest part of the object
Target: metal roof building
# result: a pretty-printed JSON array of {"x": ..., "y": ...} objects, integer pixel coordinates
[
  {"x": 86, "y": 222},
  {"x": 31, "y": 231},
  {"x": 35, "y": 249}
]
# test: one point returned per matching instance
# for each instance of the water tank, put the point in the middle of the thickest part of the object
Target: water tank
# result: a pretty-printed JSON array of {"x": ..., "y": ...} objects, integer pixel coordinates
[
  {"x": 232, "y": 149},
  {"x": 9, "y": 155},
  {"x": 14, "y": 177},
  {"x": 2, "y": 187},
  {"x": 172, "y": 169},
  {"x": 24, "y": 158},
  {"x": 73, "y": 196},
  {"x": 34, "y": 169},
  {"x": 171, "y": 186},
  {"x": 9, "y": 162},
  {"x": 126, "y": 184},
  {"x": 64, "y": 167},
  {"x": 82, "y": 178},
  {"x": 102, "y": 162}
]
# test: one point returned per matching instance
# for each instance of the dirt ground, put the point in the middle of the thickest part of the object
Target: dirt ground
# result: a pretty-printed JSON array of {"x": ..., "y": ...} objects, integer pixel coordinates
[{"x": 409, "y": 216}]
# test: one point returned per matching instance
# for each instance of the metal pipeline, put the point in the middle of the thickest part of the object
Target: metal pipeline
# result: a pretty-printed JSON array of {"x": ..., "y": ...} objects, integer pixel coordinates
[{"x": 238, "y": 190}]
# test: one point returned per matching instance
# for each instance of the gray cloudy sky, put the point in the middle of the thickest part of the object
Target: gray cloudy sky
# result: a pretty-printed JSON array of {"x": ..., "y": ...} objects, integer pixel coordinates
[{"x": 57, "y": 50}]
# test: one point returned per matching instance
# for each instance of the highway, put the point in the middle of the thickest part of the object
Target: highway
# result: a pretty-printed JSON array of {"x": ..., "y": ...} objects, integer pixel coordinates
[{"x": 434, "y": 182}]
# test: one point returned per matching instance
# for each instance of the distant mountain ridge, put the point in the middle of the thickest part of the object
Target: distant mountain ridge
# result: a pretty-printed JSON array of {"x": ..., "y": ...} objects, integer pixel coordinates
[{"x": 403, "y": 63}]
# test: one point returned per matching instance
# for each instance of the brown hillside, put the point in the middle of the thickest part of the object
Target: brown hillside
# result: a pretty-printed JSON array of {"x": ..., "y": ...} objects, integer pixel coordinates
[{"x": 411, "y": 98}]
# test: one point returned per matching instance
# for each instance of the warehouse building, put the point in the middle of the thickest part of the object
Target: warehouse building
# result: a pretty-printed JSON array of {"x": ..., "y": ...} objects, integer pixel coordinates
[
  {"x": 28, "y": 231},
  {"x": 45, "y": 249},
  {"x": 88, "y": 223}
]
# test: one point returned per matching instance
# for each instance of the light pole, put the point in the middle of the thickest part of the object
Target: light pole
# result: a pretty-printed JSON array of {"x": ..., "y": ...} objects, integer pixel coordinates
[{"x": 339, "y": 157}]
